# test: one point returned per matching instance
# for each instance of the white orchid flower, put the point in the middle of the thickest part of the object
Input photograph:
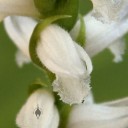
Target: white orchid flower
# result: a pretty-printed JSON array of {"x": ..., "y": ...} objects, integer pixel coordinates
[
  {"x": 105, "y": 28},
  {"x": 58, "y": 53},
  {"x": 20, "y": 30},
  {"x": 39, "y": 111},
  {"x": 68, "y": 61},
  {"x": 18, "y": 7},
  {"x": 108, "y": 115}
]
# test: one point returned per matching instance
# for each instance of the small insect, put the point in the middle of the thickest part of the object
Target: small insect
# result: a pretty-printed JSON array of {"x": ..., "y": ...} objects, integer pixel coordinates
[
  {"x": 82, "y": 101},
  {"x": 38, "y": 112}
]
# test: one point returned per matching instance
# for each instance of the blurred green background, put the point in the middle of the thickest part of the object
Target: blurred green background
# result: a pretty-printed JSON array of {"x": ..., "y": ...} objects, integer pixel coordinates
[{"x": 109, "y": 80}]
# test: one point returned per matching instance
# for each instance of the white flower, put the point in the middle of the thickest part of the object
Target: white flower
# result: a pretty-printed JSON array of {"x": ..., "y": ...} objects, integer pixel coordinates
[
  {"x": 19, "y": 30},
  {"x": 58, "y": 53},
  {"x": 68, "y": 61},
  {"x": 108, "y": 115},
  {"x": 102, "y": 32},
  {"x": 17, "y": 7},
  {"x": 39, "y": 111}
]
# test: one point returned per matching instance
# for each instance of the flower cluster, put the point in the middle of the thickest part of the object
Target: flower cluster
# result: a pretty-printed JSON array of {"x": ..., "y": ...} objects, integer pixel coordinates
[{"x": 61, "y": 43}]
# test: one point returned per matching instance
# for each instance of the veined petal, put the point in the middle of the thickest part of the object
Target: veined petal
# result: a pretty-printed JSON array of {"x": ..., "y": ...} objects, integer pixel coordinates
[
  {"x": 19, "y": 30},
  {"x": 118, "y": 49},
  {"x": 72, "y": 66},
  {"x": 18, "y": 7},
  {"x": 39, "y": 111},
  {"x": 99, "y": 115},
  {"x": 57, "y": 51}
]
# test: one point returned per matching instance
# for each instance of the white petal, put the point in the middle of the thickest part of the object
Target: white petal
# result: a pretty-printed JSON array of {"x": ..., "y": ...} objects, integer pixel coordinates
[
  {"x": 19, "y": 30},
  {"x": 58, "y": 52},
  {"x": 18, "y": 7},
  {"x": 101, "y": 35},
  {"x": 118, "y": 49},
  {"x": 42, "y": 101},
  {"x": 21, "y": 59},
  {"x": 98, "y": 116},
  {"x": 84, "y": 56},
  {"x": 72, "y": 66}
]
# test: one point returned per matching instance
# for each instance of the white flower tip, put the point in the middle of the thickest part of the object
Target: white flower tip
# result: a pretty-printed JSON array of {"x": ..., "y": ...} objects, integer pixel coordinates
[
  {"x": 39, "y": 110},
  {"x": 21, "y": 59},
  {"x": 72, "y": 90},
  {"x": 118, "y": 59},
  {"x": 118, "y": 50}
]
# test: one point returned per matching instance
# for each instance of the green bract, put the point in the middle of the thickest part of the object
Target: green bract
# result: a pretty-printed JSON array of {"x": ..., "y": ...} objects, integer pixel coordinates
[
  {"x": 59, "y": 7},
  {"x": 82, "y": 32}
]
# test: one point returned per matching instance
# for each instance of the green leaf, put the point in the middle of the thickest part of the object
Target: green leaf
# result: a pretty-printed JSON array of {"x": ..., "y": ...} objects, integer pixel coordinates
[
  {"x": 68, "y": 7},
  {"x": 50, "y": 8},
  {"x": 45, "y": 7},
  {"x": 81, "y": 39}
]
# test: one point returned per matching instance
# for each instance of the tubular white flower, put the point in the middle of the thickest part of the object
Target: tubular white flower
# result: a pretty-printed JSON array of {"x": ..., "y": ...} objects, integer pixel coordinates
[
  {"x": 18, "y": 7},
  {"x": 70, "y": 63},
  {"x": 19, "y": 30},
  {"x": 107, "y": 115},
  {"x": 39, "y": 111}
]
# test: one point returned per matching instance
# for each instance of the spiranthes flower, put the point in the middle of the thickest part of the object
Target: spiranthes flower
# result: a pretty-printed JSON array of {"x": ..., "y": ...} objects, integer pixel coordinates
[
  {"x": 103, "y": 29},
  {"x": 68, "y": 61},
  {"x": 18, "y": 7},
  {"x": 107, "y": 115},
  {"x": 19, "y": 30},
  {"x": 39, "y": 111},
  {"x": 57, "y": 51}
]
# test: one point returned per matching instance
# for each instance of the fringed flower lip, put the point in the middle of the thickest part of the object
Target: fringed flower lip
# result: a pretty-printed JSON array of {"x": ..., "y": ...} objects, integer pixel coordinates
[
  {"x": 39, "y": 111},
  {"x": 68, "y": 61},
  {"x": 106, "y": 115}
]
